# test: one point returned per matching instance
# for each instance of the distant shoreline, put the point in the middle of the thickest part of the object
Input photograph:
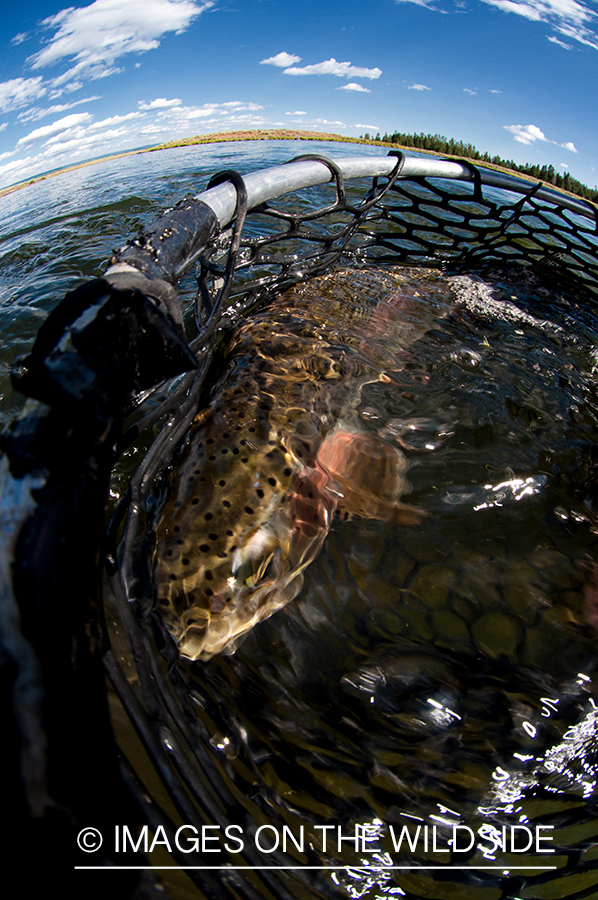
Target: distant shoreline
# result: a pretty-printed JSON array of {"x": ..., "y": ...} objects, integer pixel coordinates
[{"x": 267, "y": 134}]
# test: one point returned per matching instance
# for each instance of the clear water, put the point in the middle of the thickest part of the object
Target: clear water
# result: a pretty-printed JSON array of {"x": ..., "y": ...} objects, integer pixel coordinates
[{"x": 442, "y": 674}]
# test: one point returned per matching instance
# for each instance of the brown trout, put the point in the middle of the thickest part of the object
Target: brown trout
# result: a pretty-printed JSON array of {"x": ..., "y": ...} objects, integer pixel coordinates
[{"x": 279, "y": 450}]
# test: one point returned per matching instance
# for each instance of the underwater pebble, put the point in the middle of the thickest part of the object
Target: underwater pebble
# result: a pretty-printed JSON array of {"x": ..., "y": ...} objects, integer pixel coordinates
[
  {"x": 496, "y": 634},
  {"x": 451, "y": 630},
  {"x": 432, "y": 584}
]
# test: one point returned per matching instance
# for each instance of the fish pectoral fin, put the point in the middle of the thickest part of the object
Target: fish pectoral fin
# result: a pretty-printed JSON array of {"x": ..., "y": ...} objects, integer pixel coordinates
[
  {"x": 259, "y": 574},
  {"x": 408, "y": 515},
  {"x": 368, "y": 506}
]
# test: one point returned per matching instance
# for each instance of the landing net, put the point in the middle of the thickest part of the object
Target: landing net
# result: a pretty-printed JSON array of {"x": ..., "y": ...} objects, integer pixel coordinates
[{"x": 247, "y": 238}]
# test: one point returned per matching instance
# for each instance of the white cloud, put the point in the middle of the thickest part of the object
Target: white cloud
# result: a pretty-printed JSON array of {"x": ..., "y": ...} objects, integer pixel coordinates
[
  {"x": 516, "y": 6},
  {"x": 418, "y": 87},
  {"x": 353, "y": 86},
  {"x": 329, "y": 122},
  {"x": 572, "y": 18},
  {"x": 19, "y": 38},
  {"x": 182, "y": 120},
  {"x": 159, "y": 103},
  {"x": 95, "y": 36},
  {"x": 495, "y": 91},
  {"x": 114, "y": 120},
  {"x": 282, "y": 59},
  {"x": 59, "y": 90},
  {"x": 373, "y": 127},
  {"x": 426, "y": 3},
  {"x": 555, "y": 40},
  {"x": 34, "y": 113},
  {"x": 298, "y": 112},
  {"x": 47, "y": 131},
  {"x": 19, "y": 91},
  {"x": 3, "y": 126},
  {"x": 527, "y": 134},
  {"x": 469, "y": 91},
  {"x": 332, "y": 67}
]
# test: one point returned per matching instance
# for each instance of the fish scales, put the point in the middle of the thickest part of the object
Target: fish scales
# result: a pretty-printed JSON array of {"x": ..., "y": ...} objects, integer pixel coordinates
[{"x": 278, "y": 450}]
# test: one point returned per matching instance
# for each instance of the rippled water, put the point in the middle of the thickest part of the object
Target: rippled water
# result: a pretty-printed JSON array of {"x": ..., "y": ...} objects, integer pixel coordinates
[{"x": 433, "y": 675}]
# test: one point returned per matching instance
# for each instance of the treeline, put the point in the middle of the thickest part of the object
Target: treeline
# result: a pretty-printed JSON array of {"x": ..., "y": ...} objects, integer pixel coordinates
[{"x": 440, "y": 144}]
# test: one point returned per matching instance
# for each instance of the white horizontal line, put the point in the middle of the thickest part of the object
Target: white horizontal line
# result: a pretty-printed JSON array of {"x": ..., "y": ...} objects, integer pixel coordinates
[{"x": 505, "y": 868}]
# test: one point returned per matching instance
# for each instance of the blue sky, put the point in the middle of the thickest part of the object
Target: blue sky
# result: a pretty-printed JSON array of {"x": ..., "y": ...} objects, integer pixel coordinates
[{"x": 515, "y": 77}]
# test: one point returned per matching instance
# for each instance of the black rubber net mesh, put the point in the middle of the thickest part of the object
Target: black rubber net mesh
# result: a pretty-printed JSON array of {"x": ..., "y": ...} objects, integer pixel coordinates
[{"x": 174, "y": 729}]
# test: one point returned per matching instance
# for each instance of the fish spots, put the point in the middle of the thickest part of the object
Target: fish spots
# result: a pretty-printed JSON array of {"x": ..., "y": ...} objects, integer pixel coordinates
[
  {"x": 222, "y": 483},
  {"x": 185, "y": 562},
  {"x": 209, "y": 575},
  {"x": 208, "y": 516},
  {"x": 287, "y": 472},
  {"x": 272, "y": 481},
  {"x": 204, "y": 548},
  {"x": 260, "y": 493},
  {"x": 195, "y": 501},
  {"x": 226, "y": 503},
  {"x": 249, "y": 510},
  {"x": 213, "y": 537}
]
